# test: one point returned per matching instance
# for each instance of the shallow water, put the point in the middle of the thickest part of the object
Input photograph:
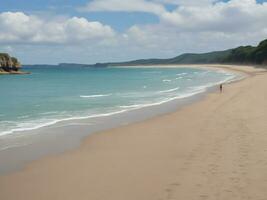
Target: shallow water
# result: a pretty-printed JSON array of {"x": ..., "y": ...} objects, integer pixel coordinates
[{"x": 51, "y": 95}]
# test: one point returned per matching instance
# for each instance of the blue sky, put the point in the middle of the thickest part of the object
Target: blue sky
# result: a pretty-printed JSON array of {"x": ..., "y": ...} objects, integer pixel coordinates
[
  {"x": 119, "y": 20},
  {"x": 89, "y": 31}
]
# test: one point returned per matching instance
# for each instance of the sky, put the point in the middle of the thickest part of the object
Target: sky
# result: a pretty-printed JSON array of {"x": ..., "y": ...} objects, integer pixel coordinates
[{"x": 91, "y": 31}]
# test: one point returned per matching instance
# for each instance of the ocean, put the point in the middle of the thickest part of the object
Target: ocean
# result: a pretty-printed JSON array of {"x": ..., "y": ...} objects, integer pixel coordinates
[{"x": 50, "y": 95}]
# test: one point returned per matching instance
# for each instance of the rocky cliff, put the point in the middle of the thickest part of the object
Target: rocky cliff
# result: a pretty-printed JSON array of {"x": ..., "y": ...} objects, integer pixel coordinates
[{"x": 9, "y": 64}]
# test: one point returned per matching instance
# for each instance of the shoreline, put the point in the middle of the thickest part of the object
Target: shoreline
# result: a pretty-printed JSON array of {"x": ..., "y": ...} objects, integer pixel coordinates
[
  {"x": 243, "y": 69},
  {"x": 146, "y": 153},
  {"x": 218, "y": 67},
  {"x": 14, "y": 73},
  {"x": 36, "y": 139},
  {"x": 65, "y": 136}
]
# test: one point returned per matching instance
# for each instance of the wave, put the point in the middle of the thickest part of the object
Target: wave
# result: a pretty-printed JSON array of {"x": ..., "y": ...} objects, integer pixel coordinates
[
  {"x": 120, "y": 109},
  {"x": 180, "y": 96},
  {"x": 166, "y": 80},
  {"x": 29, "y": 126},
  {"x": 170, "y": 90},
  {"x": 132, "y": 106},
  {"x": 49, "y": 113},
  {"x": 181, "y": 74},
  {"x": 95, "y": 95},
  {"x": 146, "y": 93},
  {"x": 23, "y": 117},
  {"x": 48, "y": 122}
]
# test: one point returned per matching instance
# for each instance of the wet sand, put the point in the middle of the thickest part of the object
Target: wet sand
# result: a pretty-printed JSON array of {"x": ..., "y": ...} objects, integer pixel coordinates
[{"x": 213, "y": 149}]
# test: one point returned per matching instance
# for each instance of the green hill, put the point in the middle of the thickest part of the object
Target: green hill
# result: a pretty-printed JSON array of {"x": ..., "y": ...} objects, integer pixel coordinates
[
  {"x": 249, "y": 54},
  {"x": 241, "y": 55}
]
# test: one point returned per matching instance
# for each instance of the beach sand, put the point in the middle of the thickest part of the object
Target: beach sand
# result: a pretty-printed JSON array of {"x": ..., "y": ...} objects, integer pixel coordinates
[
  {"x": 213, "y": 149},
  {"x": 13, "y": 72}
]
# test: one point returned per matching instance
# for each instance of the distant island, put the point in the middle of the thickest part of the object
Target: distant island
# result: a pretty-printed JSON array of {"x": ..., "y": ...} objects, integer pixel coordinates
[
  {"x": 242, "y": 55},
  {"x": 9, "y": 65}
]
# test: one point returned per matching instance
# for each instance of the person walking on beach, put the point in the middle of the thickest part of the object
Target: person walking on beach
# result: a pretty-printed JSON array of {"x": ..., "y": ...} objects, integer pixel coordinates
[{"x": 221, "y": 88}]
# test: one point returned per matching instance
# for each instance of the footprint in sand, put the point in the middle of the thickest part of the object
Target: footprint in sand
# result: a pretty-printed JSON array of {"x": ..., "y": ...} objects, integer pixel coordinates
[
  {"x": 203, "y": 196},
  {"x": 175, "y": 184},
  {"x": 170, "y": 190},
  {"x": 199, "y": 185},
  {"x": 169, "y": 193}
]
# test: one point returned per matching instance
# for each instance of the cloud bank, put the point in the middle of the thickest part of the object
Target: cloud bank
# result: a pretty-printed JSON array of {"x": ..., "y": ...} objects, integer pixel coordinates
[
  {"x": 17, "y": 27},
  {"x": 190, "y": 26},
  {"x": 124, "y": 6}
]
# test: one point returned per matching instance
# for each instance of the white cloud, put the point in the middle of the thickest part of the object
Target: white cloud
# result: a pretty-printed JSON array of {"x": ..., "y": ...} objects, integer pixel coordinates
[
  {"x": 192, "y": 15},
  {"x": 150, "y": 6},
  {"x": 187, "y": 2},
  {"x": 194, "y": 26},
  {"x": 125, "y": 6},
  {"x": 17, "y": 27},
  {"x": 235, "y": 15}
]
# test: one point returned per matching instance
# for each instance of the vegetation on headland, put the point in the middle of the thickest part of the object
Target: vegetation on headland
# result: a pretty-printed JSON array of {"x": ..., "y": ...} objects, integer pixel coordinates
[
  {"x": 249, "y": 55},
  {"x": 9, "y": 65},
  {"x": 244, "y": 55},
  {"x": 241, "y": 55}
]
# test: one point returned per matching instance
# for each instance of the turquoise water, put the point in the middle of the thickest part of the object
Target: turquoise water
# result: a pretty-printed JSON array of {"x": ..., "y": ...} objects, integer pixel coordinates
[{"x": 50, "y": 95}]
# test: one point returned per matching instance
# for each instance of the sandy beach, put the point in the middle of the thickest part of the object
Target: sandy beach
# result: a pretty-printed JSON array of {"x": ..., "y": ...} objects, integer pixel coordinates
[{"x": 213, "y": 149}]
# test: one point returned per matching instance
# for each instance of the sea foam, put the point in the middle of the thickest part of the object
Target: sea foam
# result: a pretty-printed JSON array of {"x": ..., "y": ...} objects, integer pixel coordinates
[
  {"x": 124, "y": 90},
  {"x": 95, "y": 95}
]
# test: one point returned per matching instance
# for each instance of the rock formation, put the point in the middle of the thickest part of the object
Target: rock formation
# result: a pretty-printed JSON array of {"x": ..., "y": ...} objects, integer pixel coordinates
[{"x": 9, "y": 64}]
